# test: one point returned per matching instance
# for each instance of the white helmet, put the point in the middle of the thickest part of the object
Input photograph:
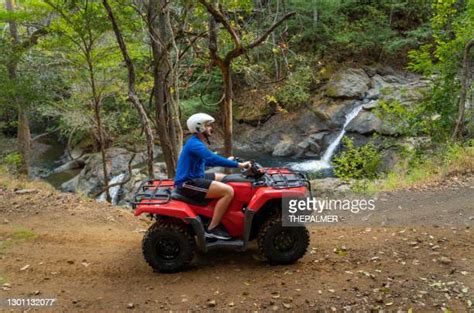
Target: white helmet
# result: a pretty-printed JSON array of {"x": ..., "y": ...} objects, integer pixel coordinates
[{"x": 197, "y": 122}]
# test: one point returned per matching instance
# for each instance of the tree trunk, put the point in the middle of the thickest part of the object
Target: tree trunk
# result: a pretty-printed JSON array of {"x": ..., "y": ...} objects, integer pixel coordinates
[
  {"x": 167, "y": 112},
  {"x": 100, "y": 134},
  {"x": 227, "y": 108},
  {"x": 24, "y": 140},
  {"x": 216, "y": 14},
  {"x": 131, "y": 89},
  {"x": 176, "y": 130},
  {"x": 458, "y": 129},
  {"x": 23, "y": 136}
]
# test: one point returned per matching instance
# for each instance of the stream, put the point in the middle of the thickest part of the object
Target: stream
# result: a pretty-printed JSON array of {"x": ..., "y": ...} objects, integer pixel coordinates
[{"x": 49, "y": 157}]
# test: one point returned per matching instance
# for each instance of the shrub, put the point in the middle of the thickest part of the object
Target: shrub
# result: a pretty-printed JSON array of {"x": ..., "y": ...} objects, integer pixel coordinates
[
  {"x": 422, "y": 167},
  {"x": 405, "y": 120},
  {"x": 13, "y": 161},
  {"x": 357, "y": 163},
  {"x": 295, "y": 91}
]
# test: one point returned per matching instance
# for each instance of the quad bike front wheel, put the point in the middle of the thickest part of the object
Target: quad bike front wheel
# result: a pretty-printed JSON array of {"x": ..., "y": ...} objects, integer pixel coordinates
[
  {"x": 168, "y": 246},
  {"x": 282, "y": 245}
]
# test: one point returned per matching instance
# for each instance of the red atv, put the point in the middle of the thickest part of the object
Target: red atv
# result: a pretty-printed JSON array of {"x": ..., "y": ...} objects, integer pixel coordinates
[{"x": 254, "y": 214}]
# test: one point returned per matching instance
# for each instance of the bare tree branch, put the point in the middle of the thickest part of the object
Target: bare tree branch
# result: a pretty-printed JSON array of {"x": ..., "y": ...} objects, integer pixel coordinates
[
  {"x": 220, "y": 17},
  {"x": 237, "y": 52}
]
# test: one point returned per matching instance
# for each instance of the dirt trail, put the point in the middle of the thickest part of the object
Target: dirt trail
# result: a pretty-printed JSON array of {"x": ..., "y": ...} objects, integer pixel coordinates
[{"x": 87, "y": 255}]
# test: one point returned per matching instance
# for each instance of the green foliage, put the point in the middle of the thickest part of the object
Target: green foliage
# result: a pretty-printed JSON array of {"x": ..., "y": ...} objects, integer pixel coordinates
[
  {"x": 196, "y": 104},
  {"x": 422, "y": 166},
  {"x": 402, "y": 119},
  {"x": 359, "y": 28},
  {"x": 452, "y": 24},
  {"x": 294, "y": 92},
  {"x": 420, "y": 60},
  {"x": 201, "y": 91},
  {"x": 357, "y": 163},
  {"x": 26, "y": 79},
  {"x": 13, "y": 161}
]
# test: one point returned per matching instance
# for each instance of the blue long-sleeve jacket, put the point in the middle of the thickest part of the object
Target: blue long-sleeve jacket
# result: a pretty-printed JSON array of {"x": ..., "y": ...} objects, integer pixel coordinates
[{"x": 193, "y": 160}]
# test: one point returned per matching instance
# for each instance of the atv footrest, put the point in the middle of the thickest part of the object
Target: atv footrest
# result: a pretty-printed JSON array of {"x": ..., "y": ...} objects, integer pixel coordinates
[{"x": 236, "y": 243}]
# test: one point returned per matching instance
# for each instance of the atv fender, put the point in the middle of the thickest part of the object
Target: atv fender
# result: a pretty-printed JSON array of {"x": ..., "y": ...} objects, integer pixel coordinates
[
  {"x": 172, "y": 209},
  {"x": 263, "y": 195}
]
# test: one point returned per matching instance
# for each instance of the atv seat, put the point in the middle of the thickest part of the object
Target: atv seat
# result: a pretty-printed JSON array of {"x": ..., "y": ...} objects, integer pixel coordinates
[
  {"x": 175, "y": 195},
  {"x": 236, "y": 178}
]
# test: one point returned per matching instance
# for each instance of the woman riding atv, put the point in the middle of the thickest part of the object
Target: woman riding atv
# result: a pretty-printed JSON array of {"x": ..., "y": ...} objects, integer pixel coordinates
[{"x": 191, "y": 180}]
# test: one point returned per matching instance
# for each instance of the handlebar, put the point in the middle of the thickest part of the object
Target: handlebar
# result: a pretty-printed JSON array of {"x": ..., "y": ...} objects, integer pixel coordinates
[{"x": 254, "y": 171}]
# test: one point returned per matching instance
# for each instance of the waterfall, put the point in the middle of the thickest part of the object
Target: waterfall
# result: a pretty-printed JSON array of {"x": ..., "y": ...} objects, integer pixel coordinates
[
  {"x": 332, "y": 147},
  {"x": 324, "y": 162},
  {"x": 113, "y": 190}
]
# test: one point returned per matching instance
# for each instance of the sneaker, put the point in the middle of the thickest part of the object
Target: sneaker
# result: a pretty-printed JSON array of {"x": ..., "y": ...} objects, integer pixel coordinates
[{"x": 217, "y": 233}]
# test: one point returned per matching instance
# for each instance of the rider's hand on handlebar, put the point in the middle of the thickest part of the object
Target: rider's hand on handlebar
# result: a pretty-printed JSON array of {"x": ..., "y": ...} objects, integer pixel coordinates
[{"x": 245, "y": 164}]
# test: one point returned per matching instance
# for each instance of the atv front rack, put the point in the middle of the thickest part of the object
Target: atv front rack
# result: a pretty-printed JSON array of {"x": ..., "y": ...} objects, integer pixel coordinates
[
  {"x": 283, "y": 178},
  {"x": 154, "y": 191}
]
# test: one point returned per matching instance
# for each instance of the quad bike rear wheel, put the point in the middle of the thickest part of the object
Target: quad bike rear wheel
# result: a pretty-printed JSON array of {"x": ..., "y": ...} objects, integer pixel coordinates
[
  {"x": 168, "y": 246},
  {"x": 282, "y": 245}
]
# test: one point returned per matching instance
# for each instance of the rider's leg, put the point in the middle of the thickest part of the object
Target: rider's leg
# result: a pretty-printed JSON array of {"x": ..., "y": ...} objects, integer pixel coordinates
[
  {"x": 218, "y": 176},
  {"x": 225, "y": 193}
]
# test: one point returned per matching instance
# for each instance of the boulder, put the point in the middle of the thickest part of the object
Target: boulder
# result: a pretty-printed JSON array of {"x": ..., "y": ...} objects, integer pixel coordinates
[
  {"x": 378, "y": 83},
  {"x": 384, "y": 70},
  {"x": 332, "y": 112},
  {"x": 129, "y": 188},
  {"x": 308, "y": 148},
  {"x": 74, "y": 164},
  {"x": 395, "y": 79},
  {"x": 348, "y": 83},
  {"x": 280, "y": 127},
  {"x": 77, "y": 152},
  {"x": 328, "y": 139},
  {"x": 360, "y": 140},
  {"x": 390, "y": 158},
  {"x": 372, "y": 94},
  {"x": 70, "y": 185},
  {"x": 91, "y": 177},
  {"x": 407, "y": 94},
  {"x": 365, "y": 123},
  {"x": 330, "y": 186},
  {"x": 370, "y": 105},
  {"x": 309, "y": 123},
  {"x": 370, "y": 71},
  {"x": 284, "y": 148},
  {"x": 319, "y": 137},
  {"x": 412, "y": 143}
]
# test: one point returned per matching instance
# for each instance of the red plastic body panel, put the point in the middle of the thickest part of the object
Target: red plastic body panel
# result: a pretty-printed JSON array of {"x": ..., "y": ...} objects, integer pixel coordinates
[
  {"x": 173, "y": 208},
  {"x": 265, "y": 194}
]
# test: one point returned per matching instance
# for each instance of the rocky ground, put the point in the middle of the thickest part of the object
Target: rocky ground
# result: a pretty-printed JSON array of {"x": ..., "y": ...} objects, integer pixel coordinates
[{"x": 87, "y": 255}]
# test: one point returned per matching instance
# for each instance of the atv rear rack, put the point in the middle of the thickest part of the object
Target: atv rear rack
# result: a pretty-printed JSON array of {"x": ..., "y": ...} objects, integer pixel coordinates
[{"x": 151, "y": 190}]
